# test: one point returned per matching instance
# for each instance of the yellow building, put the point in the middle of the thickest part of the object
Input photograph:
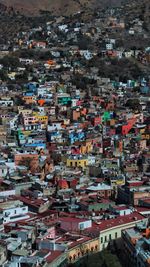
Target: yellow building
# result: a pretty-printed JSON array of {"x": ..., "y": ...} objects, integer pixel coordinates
[
  {"x": 82, "y": 249},
  {"x": 86, "y": 148},
  {"x": 77, "y": 161},
  {"x": 42, "y": 119},
  {"x": 116, "y": 182}
]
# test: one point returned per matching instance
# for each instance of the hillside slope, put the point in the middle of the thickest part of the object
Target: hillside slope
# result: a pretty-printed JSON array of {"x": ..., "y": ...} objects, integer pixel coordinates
[{"x": 64, "y": 7}]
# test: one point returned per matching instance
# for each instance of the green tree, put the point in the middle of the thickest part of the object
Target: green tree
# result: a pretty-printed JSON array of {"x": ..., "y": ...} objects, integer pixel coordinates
[
  {"x": 10, "y": 62},
  {"x": 3, "y": 75}
]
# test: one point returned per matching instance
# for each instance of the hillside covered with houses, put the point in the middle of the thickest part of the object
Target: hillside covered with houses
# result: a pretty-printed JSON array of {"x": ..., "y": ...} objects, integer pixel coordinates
[{"x": 75, "y": 137}]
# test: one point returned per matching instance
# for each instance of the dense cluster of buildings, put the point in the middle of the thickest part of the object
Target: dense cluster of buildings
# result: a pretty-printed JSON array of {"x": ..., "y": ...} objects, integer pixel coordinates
[{"x": 74, "y": 157}]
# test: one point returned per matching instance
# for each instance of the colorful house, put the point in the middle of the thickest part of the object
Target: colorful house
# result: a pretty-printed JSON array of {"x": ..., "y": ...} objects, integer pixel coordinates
[
  {"x": 29, "y": 99},
  {"x": 62, "y": 184},
  {"x": 42, "y": 119},
  {"x": 77, "y": 161},
  {"x": 63, "y": 99},
  {"x": 83, "y": 248},
  {"x": 126, "y": 128}
]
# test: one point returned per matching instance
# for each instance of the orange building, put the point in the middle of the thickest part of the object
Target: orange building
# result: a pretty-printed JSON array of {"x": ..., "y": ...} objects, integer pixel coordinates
[
  {"x": 41, "y": 102},
  {"x": 29, "y": 99}
]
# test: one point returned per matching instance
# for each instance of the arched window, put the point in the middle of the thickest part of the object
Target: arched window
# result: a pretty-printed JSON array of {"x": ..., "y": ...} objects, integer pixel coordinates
[{"x": 96, "y": 247}]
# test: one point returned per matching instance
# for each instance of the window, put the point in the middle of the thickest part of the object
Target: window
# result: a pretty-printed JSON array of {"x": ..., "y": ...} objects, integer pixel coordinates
[
  {"x": 109, "y": 236},
  {"x": 116, "y": 235},
  {"x": 76, "y": 164},
  {"x": 101, "y": 239},
  {"x": 105, "y": 238}
]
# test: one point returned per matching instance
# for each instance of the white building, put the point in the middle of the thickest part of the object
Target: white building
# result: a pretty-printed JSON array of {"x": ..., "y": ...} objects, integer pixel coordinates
[
  {"x": 13, "y": 211},
  {"x": 109, "y": 46},
  {"x": 54, "y": 126},
  {"x": 6, "y": 102}
]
